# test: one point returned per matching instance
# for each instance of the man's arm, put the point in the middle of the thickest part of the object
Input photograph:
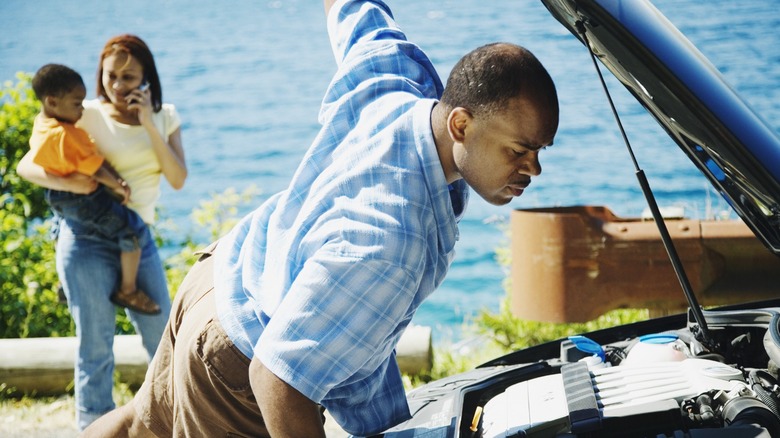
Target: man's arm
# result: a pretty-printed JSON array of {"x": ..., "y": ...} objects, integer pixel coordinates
[{"x": 286, "y": 412}]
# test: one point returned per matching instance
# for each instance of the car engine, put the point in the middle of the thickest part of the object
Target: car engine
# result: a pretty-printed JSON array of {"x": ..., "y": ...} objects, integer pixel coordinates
[{"x": 658, "y": 385}]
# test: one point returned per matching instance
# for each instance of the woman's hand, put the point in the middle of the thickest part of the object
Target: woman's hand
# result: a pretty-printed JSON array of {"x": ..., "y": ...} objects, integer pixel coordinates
[
  {"x": 170, "y": 153},
  {"x": 140, "y": 101}
]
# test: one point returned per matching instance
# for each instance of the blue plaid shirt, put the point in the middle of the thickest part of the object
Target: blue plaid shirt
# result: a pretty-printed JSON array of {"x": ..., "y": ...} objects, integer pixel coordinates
[{"x": 321, "y": 280}]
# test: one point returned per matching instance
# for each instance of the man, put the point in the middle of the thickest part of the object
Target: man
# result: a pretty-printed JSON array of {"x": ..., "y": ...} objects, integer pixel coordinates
[{"x": 312, "y": 291}]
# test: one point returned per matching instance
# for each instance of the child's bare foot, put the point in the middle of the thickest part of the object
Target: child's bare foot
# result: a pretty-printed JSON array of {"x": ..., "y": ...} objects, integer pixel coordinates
[{"x": 135, "y": 300}]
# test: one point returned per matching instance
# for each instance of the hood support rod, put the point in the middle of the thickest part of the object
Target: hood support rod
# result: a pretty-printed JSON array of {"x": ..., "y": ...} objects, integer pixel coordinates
[{"x": 702, "y": 332}]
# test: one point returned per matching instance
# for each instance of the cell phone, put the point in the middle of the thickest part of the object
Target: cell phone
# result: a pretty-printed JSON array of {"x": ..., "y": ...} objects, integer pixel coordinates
[{"x": 142, "y": 88}]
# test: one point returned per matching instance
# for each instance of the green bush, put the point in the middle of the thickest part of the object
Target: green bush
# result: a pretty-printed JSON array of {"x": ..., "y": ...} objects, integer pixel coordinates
[
  {"x": 512, "y": 333},
  {"x": 28, "y": 298},
  {"x": 28, "y": 293},
  {"x": 19, "y": 108}
]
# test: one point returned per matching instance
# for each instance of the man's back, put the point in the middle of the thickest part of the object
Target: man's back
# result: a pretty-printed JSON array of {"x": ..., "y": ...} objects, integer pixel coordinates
[{"x": 365, "y": 231}]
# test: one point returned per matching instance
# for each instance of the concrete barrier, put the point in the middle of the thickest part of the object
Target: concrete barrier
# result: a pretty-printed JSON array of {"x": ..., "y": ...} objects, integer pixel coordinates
[{"x": 44, "y": 366}]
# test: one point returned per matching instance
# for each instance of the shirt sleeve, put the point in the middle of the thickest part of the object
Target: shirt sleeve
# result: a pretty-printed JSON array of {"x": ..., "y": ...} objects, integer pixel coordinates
[
  {"x": 68, "y": 150},
  {"x": 345, "y": 311},
  {"x": 358, "y": 24},
  {"x": 374, "y": 58},
  {"x": 172, "y": 121},
  {"x": 82, "y": 150},
  {"x": 338, "y": 325}
]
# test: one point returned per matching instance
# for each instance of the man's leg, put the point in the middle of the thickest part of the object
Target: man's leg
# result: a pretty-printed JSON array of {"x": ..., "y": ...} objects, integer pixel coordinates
[{"x": 153, "y": 403}]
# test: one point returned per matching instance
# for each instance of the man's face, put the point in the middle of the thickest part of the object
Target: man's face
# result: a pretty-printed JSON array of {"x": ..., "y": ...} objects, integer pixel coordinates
[{"x": 499, "y": 154}]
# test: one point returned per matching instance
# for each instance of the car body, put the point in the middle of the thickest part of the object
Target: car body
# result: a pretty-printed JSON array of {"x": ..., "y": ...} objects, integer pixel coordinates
[{"x": 705, "y": 373}]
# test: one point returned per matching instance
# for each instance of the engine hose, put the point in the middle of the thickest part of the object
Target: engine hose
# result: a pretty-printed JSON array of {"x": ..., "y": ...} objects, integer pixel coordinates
[
  {"x": 699, "y": 410},
  {"x": 749, "y": 411},
  {"x": 768, "y": 397},
  {"x": 704, "y": 407},
  {"x": 772, "y": 338},
  {"x": 762, "y": 377},
  {"x": 712, "y": 356}
]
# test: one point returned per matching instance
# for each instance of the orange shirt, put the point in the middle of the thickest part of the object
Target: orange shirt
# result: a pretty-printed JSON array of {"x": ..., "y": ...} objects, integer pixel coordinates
[{"x": 61, "y": 148}]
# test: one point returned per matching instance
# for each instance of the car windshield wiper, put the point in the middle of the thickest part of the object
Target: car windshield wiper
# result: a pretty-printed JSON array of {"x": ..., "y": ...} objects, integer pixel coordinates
[{"x": 700, "y": 331}]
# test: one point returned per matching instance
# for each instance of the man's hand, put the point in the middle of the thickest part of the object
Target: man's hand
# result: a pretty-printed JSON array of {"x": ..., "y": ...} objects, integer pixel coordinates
[{"x": 286, "y": 412}]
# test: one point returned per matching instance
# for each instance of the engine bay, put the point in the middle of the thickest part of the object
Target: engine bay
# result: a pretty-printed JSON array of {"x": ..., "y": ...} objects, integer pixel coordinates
[{"x": 666, "y": 384}]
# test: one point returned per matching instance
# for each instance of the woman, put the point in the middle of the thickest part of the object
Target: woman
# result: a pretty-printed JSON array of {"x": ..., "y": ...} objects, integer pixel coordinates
[{"x": 141, "y": 137}]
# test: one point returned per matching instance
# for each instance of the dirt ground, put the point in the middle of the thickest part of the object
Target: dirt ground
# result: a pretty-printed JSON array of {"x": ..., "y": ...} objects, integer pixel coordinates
[{"x": 54, "y": 418}]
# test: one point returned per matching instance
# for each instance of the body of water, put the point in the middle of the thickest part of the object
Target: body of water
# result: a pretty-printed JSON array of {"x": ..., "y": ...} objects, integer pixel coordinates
[{"x": 248, "y": 78}]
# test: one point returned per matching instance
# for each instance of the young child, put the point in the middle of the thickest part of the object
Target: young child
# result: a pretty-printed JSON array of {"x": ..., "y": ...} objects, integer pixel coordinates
[{"x": 62, "y": 148}]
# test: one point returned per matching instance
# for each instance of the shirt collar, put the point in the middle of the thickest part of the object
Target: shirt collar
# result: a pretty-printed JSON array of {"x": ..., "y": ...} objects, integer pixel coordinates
[{"x": 448, "y": 204}]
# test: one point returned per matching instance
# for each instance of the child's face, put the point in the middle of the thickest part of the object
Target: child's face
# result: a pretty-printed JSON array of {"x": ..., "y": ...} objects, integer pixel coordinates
[{"x": 67, "y": 107}]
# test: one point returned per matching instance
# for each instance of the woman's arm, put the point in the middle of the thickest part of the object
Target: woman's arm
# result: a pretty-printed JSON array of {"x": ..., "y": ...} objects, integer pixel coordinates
[
  {"x": 74, "y": 183},
  {"x": 169, "y": 154},
  {"x": 175, "y": 167}
]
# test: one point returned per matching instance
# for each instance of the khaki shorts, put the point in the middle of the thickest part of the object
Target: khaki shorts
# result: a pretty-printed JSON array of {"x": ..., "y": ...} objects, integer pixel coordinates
[{"x": 198, "y": 382}]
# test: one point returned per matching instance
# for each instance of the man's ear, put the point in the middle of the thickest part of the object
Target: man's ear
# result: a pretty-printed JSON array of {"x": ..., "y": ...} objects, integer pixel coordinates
[{"x": 457, "y": 122}]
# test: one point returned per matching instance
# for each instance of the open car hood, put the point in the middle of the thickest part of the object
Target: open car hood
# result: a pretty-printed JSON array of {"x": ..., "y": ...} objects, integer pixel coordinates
[{"x": 737, "y": 152}]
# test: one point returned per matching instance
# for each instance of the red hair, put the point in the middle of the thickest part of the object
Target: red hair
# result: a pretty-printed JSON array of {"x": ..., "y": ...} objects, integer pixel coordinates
[{"x": 137, "y": 48}]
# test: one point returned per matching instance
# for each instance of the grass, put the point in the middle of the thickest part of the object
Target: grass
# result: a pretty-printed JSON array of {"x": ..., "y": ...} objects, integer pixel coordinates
[
  {"x": 40, "y": 417},
  {"x": 46, "y": 417},
  {"x": 53, "y": 417}
]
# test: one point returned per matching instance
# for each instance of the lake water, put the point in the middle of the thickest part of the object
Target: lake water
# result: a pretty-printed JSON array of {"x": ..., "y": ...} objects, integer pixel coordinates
[{"x": 248, "y": 77}]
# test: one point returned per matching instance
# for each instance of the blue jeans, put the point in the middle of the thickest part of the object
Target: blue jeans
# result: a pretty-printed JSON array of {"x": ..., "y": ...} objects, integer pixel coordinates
[
  {"x": 89, "y": 270},
  {"x": 101, "y": 212}
]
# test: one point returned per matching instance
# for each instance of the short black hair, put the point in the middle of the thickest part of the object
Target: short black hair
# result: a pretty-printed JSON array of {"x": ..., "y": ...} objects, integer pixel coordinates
[
  {"x": 488, "y": 77},
  {"x": 55, "y": 80}
]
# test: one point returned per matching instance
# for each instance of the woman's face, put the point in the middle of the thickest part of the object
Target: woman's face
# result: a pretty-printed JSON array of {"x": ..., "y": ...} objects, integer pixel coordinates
[{"x": 122, "y": 73}]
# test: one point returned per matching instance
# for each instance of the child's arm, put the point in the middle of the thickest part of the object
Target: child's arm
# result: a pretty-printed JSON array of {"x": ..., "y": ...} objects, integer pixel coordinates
[
  {"x": 36, "y": 174},
  {"x": 109, "y": 177}
]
